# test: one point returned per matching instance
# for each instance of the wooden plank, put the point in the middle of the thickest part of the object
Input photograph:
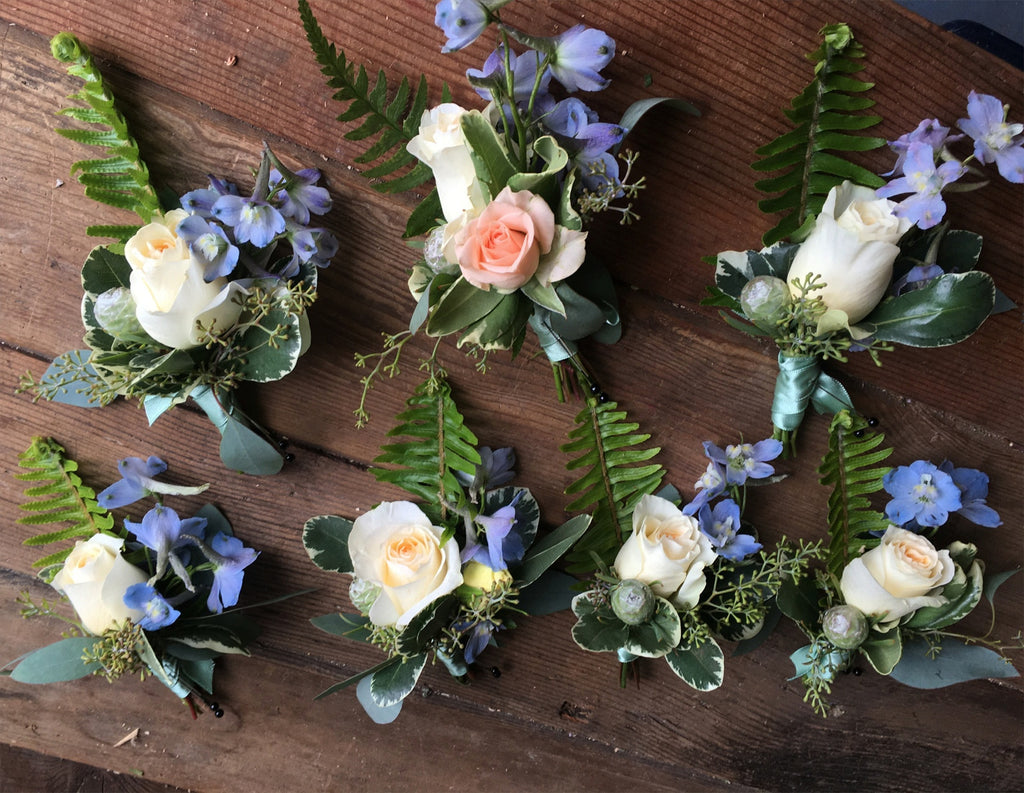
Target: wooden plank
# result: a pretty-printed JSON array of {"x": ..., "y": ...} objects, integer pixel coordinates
[{"x": 555, "y": 717}]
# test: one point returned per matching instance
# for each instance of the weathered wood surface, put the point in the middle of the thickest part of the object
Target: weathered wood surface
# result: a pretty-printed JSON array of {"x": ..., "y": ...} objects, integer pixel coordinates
[{"x": 555, "y": 718}]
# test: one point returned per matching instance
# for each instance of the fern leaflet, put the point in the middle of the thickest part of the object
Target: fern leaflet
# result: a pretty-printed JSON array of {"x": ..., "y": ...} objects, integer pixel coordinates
[
  {"x": 393, "y": 118},
  {"x": 58, "y": 496},
  {"x": 850, "y": 469},
  {"x": 823, "y": 115},
  {"x": 122, "y": 178},
  {"x": 438, "y": 444},
  {"x": 609, "y": 448}
]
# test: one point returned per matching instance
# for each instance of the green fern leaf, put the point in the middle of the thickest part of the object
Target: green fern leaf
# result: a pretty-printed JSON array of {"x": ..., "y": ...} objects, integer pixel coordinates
[
  {"x": 616, "y": 476},
  {"x": 393, "y": 115},
  {"x": 850, "y": 468},
  {"x": 822, "y": 121},
  {"x": 436, "y": 444},
  {"x": 120, "y": 179},
  {"x": 64, "y": 499}
]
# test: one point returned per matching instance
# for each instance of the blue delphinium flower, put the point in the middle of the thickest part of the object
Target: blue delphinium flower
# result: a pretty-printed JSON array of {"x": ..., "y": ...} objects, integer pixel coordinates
[
  {"x": 926, "y": 181},
  {"x": 745, "y": 461},
  {"x": 158, "y": 612},
  {"x": 137, "y": 482},
  {"x": 300, "y": 196},
  {"x": 710, "y": 485},
  {"x": 921, "y": 493},
  {"x": 252, "y": 220},
  {"x": 930, "y": 132},
  {"x": 478, "y": 639},
  {"x": 524, "y": 75},
  {"x": 722, "y": 526},
  {"x": 994, "y": 139},
  {"x": 462, "y": 22},
  {"x": 497, "y": 467},
  {"x": 503, "y": 543},
  {"x": 579, "y": 55},
  {"x": 587, "y": 140},
  {"x": 209, "y": 244},
  {"x": 973, "y": 486},
  {"x": 309, "y": 245},
  {"x": 161, "y": 530},
  {"x": 200, "y": 202},
  {"x": 917, "y": 277},
  {"x": 230, "y": 558}
]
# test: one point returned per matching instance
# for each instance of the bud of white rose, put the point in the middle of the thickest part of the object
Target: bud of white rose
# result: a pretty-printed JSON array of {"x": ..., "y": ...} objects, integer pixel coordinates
[{"x": 852, "y": 249}]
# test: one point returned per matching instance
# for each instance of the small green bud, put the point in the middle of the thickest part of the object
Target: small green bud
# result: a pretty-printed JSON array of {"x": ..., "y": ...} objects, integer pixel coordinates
[
  {"x": 764, "y": 300},
  {"x": 633, "y": 601},
  {"x": 845, "y": 626},
  {"x": 66, "y": 48}
]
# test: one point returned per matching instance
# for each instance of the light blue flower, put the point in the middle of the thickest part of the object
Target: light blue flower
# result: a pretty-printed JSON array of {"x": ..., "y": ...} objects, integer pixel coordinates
[
  {"x": 745, "y": 461},
  {"x": 230, "y": 558},
  {"x": 524, "y": 75},
  {"x": 973, "y": 486},
  {"x": 921, "y": 493},
  {"x": 163, "y": 531},
  {"x": 496, "y": 468},
  {"x": 722, "y": 526},
  {"x": 136, "y": 479},
  {"x": 209, "y": 244},
  {"x": 926, "y": 181},
  {"x": 200, "y": 202},
  {"x": 994, "y": 139},
  {"x": 300, "y": 196},
  {"x": 930, "y": 132},
  {"x": 462, "y": 22},
  {"x": 710, "y": 485},
  {"x": 580, "y": 54},
  {"x": 158, "y": 612},
  {"x": 251, "y": 219}
]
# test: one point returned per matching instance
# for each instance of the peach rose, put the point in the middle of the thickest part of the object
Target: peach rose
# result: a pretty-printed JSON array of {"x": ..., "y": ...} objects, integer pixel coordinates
[{"x": 513, "y": 239}]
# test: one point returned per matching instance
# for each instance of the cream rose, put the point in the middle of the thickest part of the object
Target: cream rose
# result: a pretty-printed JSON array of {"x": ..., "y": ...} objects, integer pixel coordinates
[
  {"x": 513, "y": 239},
  {"x": 666, "y": 551},
  {"x": 852, "y": 247},
  {"x": 395, "y": 547},
  {"x": 442, "y": 146},
  {"x": 167, "y": 285},
  {"x": 94, "y": 578},
  {"x": 895, "y": 578}
]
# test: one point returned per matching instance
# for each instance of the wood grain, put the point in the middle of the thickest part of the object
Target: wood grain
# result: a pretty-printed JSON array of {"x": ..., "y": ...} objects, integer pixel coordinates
[{"x": 555, "y": 718}]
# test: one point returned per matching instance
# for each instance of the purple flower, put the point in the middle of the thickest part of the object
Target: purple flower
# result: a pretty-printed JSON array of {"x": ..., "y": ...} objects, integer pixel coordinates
[
  {"x": 209, "y": 244},
  {"x": 929, "y": 132},
  {"x": 973, "y": 486},
  {"x": 524, "y": 74},
  {"x": 252, "y": 220},
  {"x": 580, "y": 53},
  {"x": 135, "y": 483},
  {"x": 496, "y": 469},
  {"x": 200, "y": 202},
  {"x": 230, "y": 558},
  {"x": 298, "y": 197},
  {"x": 710, "y": 485},
  {"x": 158, "y": 612},
  {"x": 745, "y": 461},
  {"x": 925, "y": 208},
  {"x": 163, "y": 531},
  {"x": 994, "y": 139},
  {"x": 462, "y": 21},
  {"x": 722, "y": 526},
  {"x": 478, "y": 639},
  {"x": 310, "y": 245},
  {"x": 921, "y": 493},
  {"x": 917, "y": 277}
]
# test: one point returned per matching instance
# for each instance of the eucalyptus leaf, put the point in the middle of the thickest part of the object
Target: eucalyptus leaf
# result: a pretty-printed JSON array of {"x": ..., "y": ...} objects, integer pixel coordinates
[
  {"x": 702, "y": 667},
  {"x": 155, "y": 406},
  {"x": 945, "y": 312},
  {"x": 994, "y": 581},
  {"x": 379, "y": 714},
  {"x": 56, "y": 662},
  {"x": 243, "y": 450},
  {"x": 956, "y": 663},
  {"x": 73, "y": 392},
  {"x": 641, "y": 107},
  {"x": 351, "y": 626},
  {"x": 325, "y": 538},
  {"x": 216, "y": 521}
]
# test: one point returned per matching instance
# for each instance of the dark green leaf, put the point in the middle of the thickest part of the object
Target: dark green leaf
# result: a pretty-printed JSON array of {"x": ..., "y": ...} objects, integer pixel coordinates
[
  {"x": 546, "y": 551},
  {"x": 703, "y": 667},
  {"x": 883, "y": 650},
  {"x": 325, "y": 538}
]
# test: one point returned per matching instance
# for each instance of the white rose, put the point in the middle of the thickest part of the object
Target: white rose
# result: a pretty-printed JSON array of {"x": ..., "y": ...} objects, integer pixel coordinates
[
  {"x": 666, "y": 551},
  {"x": 94, "y": 578},
  {"x": 852, "y": 247},
  {"x": 395, "y": 547},
  {"x": 894, "y": 578},
  {"x": 441, "y": 145},
  {"x": 168, "y": 287}
]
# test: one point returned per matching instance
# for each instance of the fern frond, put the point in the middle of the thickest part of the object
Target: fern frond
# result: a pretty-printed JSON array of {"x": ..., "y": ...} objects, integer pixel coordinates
[
  {"x": 122, "y": 178},
  {"x": 393, "y": 116},
  {"x": 62, "y": 498},
  {"x": 850, "y": 468},
  {"x": 823, "y": 120},
  {"x": 616, "y": 476},
  {"x": 438, "y": 443}
]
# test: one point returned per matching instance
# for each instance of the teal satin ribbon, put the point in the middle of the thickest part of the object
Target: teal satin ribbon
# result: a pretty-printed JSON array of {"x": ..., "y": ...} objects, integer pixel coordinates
[{"x": 801, "y": 383}]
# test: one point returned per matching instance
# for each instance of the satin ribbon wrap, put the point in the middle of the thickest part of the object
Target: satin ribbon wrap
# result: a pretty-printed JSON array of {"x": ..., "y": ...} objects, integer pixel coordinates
[{"x": 800, "y": 383}]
